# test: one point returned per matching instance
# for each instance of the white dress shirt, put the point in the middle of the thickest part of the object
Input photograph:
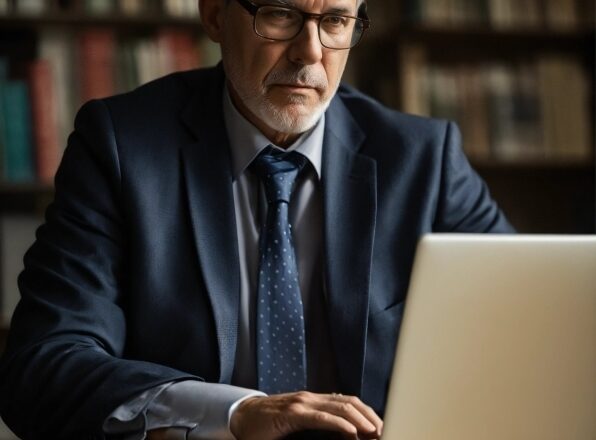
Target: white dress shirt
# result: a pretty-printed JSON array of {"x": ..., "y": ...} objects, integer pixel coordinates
[{"x": 205, "y": 408}]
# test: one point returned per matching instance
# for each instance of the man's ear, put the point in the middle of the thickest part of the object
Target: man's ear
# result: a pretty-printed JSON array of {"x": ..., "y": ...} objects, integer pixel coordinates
[{"x": 212, "y": 17}]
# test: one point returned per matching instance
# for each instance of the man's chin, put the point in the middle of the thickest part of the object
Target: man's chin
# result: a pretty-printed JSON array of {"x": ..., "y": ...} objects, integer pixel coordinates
[{"x": 292, "y": 118}]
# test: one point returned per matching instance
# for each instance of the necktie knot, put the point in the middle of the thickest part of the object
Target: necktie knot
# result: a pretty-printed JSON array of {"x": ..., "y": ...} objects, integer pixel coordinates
[{"x": 278, "y": 171}]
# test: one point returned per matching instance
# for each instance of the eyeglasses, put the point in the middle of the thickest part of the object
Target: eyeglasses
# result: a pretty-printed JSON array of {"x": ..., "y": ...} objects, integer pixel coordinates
[{"x": 283, "y": 23}]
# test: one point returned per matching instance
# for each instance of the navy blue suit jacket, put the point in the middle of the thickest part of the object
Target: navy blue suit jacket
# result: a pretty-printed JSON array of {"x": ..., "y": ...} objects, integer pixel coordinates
[{"x": 133, "y": 280}]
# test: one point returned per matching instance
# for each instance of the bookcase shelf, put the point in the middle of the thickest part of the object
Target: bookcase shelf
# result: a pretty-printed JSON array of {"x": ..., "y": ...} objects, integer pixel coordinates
[
  {"x": 417, "y": 63},
  {"x": 501, "y": 42},
  {"x": 533, "y": 165},
  {"x": 25, "y": 198},
  {"x": 79, "y": 20},
  {"x": 69, "y": 40}
]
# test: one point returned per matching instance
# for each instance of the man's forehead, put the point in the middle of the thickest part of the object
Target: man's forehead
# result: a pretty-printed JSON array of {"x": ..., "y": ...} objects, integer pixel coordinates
[{"x": 347, "y": 6}]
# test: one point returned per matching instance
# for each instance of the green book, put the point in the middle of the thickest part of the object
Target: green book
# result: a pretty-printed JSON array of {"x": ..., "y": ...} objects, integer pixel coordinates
[
  {"x": 18, "y": 163},
  {"x": 99, "y": 7}
]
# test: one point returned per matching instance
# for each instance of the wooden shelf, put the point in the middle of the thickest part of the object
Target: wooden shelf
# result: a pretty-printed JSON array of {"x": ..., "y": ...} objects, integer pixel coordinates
[
  {"x": 486, "y": 32},
  {"x": 530, "y": 164},
  {"x": 85, "y": 20},
  {"x": 488, "y": 42},
  {"x": 25, "y": 198}
]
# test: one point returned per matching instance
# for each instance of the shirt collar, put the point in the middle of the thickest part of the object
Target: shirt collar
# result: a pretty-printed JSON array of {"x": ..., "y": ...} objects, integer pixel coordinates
[{"x": 246, "y": 141}]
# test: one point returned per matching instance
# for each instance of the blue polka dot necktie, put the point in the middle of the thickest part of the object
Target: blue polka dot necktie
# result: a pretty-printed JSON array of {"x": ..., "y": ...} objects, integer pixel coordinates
[{"x": 281, "y": 357}]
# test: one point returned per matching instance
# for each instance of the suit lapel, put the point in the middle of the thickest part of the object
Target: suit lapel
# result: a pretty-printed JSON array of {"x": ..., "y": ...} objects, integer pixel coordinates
[
  {"x": 349, "y": 198},
  {"x": 207, "y": 173}
]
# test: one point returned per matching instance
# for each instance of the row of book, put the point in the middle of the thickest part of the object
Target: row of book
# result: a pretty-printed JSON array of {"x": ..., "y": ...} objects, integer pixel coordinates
[
  {"x": 172, "y": 8},
  {"x": 552, "y": 14},
  {"x": 37, "y": 111},
  {"x": 534, "y": 110}
]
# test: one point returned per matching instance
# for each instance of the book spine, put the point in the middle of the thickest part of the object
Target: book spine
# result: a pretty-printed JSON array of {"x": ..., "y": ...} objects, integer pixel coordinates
[
  {"x": 97, "y": 54},
  {"x": 99, "y": 7},
  {"x": 4, "y": 7},
  {"x": 131, "y": 7},
  {"x": 57, "y": 46},
  {"x": 18, "y": 162},
  {"x": 31, "y": 7},
  {"x": 45, "y": 123}
]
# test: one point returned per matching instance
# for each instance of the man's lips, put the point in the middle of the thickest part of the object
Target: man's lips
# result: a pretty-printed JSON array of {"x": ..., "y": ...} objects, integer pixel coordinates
[{"x": 295, "y": 86}]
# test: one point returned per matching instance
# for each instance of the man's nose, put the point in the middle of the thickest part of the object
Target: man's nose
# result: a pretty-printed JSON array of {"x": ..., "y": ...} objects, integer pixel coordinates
[{"x": 306, "y": 48}]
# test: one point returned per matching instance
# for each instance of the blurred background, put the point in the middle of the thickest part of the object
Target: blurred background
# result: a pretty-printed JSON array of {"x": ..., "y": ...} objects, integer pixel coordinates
[{"x": 517, "y": 76}]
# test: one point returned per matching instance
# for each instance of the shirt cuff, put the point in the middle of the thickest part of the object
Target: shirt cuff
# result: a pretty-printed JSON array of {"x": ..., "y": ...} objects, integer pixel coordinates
[{"x": 205, "y": 409}]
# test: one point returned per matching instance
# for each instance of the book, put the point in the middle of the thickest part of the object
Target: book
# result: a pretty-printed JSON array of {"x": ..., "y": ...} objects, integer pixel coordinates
[
  {"x": 99, "y": 7},
  {"x": 131, "y": 7},
  {"x": 565, "y": 106},
  {"x": 58, "y": 48},
  {"x": 96, "y": 55},
  {"x": 18, "y": 147},
  {"x": 473, "y": 111},
  {"x": 177, "y": 50},
  {"x": 414, "y": 76},
  {"x": 504, "y": 143},
  {"x": 174, "y": 8},
  {"x": 31, "y": 7},
  {"x": 45, "y": 120},
  {"x": 526, "y": 114},
  {"x": 4, "y": 7},
  {"x": 561, "y": 14}
]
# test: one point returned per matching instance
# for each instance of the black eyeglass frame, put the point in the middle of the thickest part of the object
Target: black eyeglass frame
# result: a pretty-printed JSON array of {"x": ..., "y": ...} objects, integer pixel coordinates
[{"x": 253, "y": 9}]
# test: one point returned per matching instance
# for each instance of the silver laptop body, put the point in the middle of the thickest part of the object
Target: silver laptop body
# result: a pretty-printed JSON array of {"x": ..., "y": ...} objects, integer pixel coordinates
[{"x": 498, "y": 341}]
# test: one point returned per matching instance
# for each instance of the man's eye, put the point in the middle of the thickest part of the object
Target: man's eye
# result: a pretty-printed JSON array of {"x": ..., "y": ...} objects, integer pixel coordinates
[{"x": 336, "y": 20}]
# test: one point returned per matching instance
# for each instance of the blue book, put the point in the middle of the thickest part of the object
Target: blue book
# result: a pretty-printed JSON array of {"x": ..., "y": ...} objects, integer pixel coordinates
[{"x": 18, "y": 142}]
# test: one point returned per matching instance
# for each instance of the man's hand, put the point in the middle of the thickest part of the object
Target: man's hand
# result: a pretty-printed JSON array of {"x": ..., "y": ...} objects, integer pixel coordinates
[{"x": 274, "y": 417}]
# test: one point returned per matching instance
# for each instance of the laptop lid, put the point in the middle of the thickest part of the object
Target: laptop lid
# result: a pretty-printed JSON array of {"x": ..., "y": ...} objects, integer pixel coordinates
[{"x": 498, "y": 341}]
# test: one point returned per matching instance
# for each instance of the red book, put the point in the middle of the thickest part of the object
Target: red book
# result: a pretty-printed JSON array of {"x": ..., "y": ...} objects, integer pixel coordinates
[
  {"x": 182, "y": 50},
  {"x": 97, "y": 55},
  {"x": 45, "y": 120}
]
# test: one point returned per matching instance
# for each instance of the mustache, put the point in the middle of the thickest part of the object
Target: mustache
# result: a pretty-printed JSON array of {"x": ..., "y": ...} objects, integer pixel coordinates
[{"x": 303, "y": 76}]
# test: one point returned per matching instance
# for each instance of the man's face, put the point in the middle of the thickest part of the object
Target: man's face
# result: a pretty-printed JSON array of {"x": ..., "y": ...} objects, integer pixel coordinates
[{"x": 282, "y": 85}]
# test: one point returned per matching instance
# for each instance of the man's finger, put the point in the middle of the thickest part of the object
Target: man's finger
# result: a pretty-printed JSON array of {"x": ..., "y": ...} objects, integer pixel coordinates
[
  {"x": 363, "y": 408},
  {"x": 325, "y": 421},
  {"x": 348, "y": 412}
]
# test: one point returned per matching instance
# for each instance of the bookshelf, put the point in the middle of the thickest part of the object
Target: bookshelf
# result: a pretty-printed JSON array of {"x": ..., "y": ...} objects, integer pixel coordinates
[
  {"x": 454, "y": 59},
  {"x": 54, "y": 29},
  {"x": 540, "y": 193}
]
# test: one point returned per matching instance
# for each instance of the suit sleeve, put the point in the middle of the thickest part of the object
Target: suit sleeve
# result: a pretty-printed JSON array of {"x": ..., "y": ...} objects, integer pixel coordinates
[
  {"x": 63, "y": 371},
  {"x": 465, "y": 204}
]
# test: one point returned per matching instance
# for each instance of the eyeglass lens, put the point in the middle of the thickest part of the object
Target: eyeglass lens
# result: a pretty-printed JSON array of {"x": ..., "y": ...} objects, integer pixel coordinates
[{"x": 335, "y": 31}]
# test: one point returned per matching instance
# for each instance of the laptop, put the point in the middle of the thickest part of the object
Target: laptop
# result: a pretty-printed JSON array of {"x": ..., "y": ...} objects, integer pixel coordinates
[{"x": 498, "y": 341}]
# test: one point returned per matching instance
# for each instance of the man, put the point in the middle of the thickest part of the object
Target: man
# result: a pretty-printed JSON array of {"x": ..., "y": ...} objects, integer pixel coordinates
[{"x": 152, "y": 296}]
